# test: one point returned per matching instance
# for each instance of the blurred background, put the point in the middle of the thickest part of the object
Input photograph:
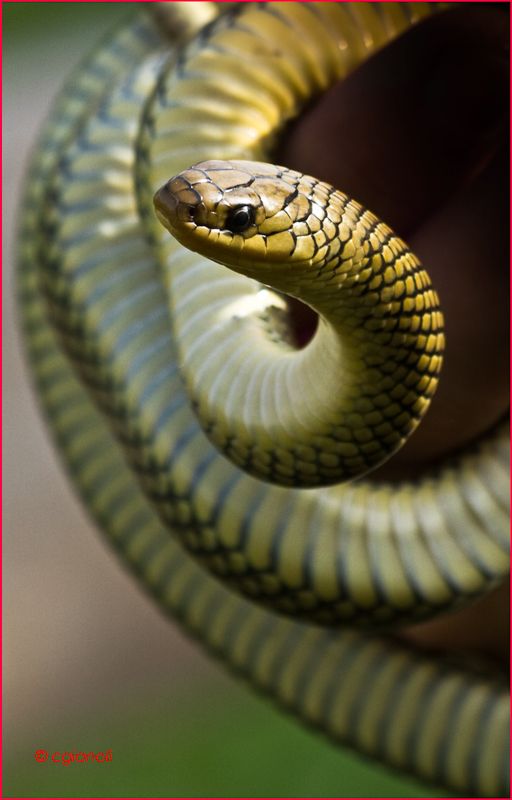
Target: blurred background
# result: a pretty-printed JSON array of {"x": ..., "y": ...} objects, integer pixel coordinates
[{"x": 89, "y": 662}]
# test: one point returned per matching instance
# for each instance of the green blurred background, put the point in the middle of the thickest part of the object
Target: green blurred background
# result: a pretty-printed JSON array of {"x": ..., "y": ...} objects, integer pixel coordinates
[{"x": 90, "y": 663}]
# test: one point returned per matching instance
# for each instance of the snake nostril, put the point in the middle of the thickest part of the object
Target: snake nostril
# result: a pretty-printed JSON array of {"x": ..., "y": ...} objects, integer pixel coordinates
[{"x": 186, "y": 212}]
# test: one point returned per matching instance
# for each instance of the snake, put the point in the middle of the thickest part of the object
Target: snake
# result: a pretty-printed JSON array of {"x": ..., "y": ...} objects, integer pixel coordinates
[{"x": 228, "y": 465}]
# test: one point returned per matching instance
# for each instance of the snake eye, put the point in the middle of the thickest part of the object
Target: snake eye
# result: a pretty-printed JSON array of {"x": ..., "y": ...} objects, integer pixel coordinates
[{"x": 240, "y": 219}]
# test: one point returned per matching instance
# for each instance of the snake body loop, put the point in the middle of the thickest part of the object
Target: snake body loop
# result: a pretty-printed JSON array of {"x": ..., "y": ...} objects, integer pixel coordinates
[
  {"x": 120, "y": 320},
  {"x": 337, "y": 409}
]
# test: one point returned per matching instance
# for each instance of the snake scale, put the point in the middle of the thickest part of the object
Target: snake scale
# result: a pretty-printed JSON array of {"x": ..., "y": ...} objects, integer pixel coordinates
[{"x": 148, "y": 357}]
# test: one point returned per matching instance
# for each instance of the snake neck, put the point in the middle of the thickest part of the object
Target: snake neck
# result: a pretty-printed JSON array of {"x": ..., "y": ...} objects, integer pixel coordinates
[
  {"x": 259, "y": 401},
  {"x": 344, "y": 403}
]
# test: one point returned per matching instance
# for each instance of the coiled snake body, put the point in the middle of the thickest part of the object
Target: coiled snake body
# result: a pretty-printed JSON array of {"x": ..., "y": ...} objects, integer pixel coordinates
[{"x": 123, "y": 324}]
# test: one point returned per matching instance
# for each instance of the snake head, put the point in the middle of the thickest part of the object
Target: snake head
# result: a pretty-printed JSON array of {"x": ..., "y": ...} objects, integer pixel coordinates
[{"x": 250, "y": 216}]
